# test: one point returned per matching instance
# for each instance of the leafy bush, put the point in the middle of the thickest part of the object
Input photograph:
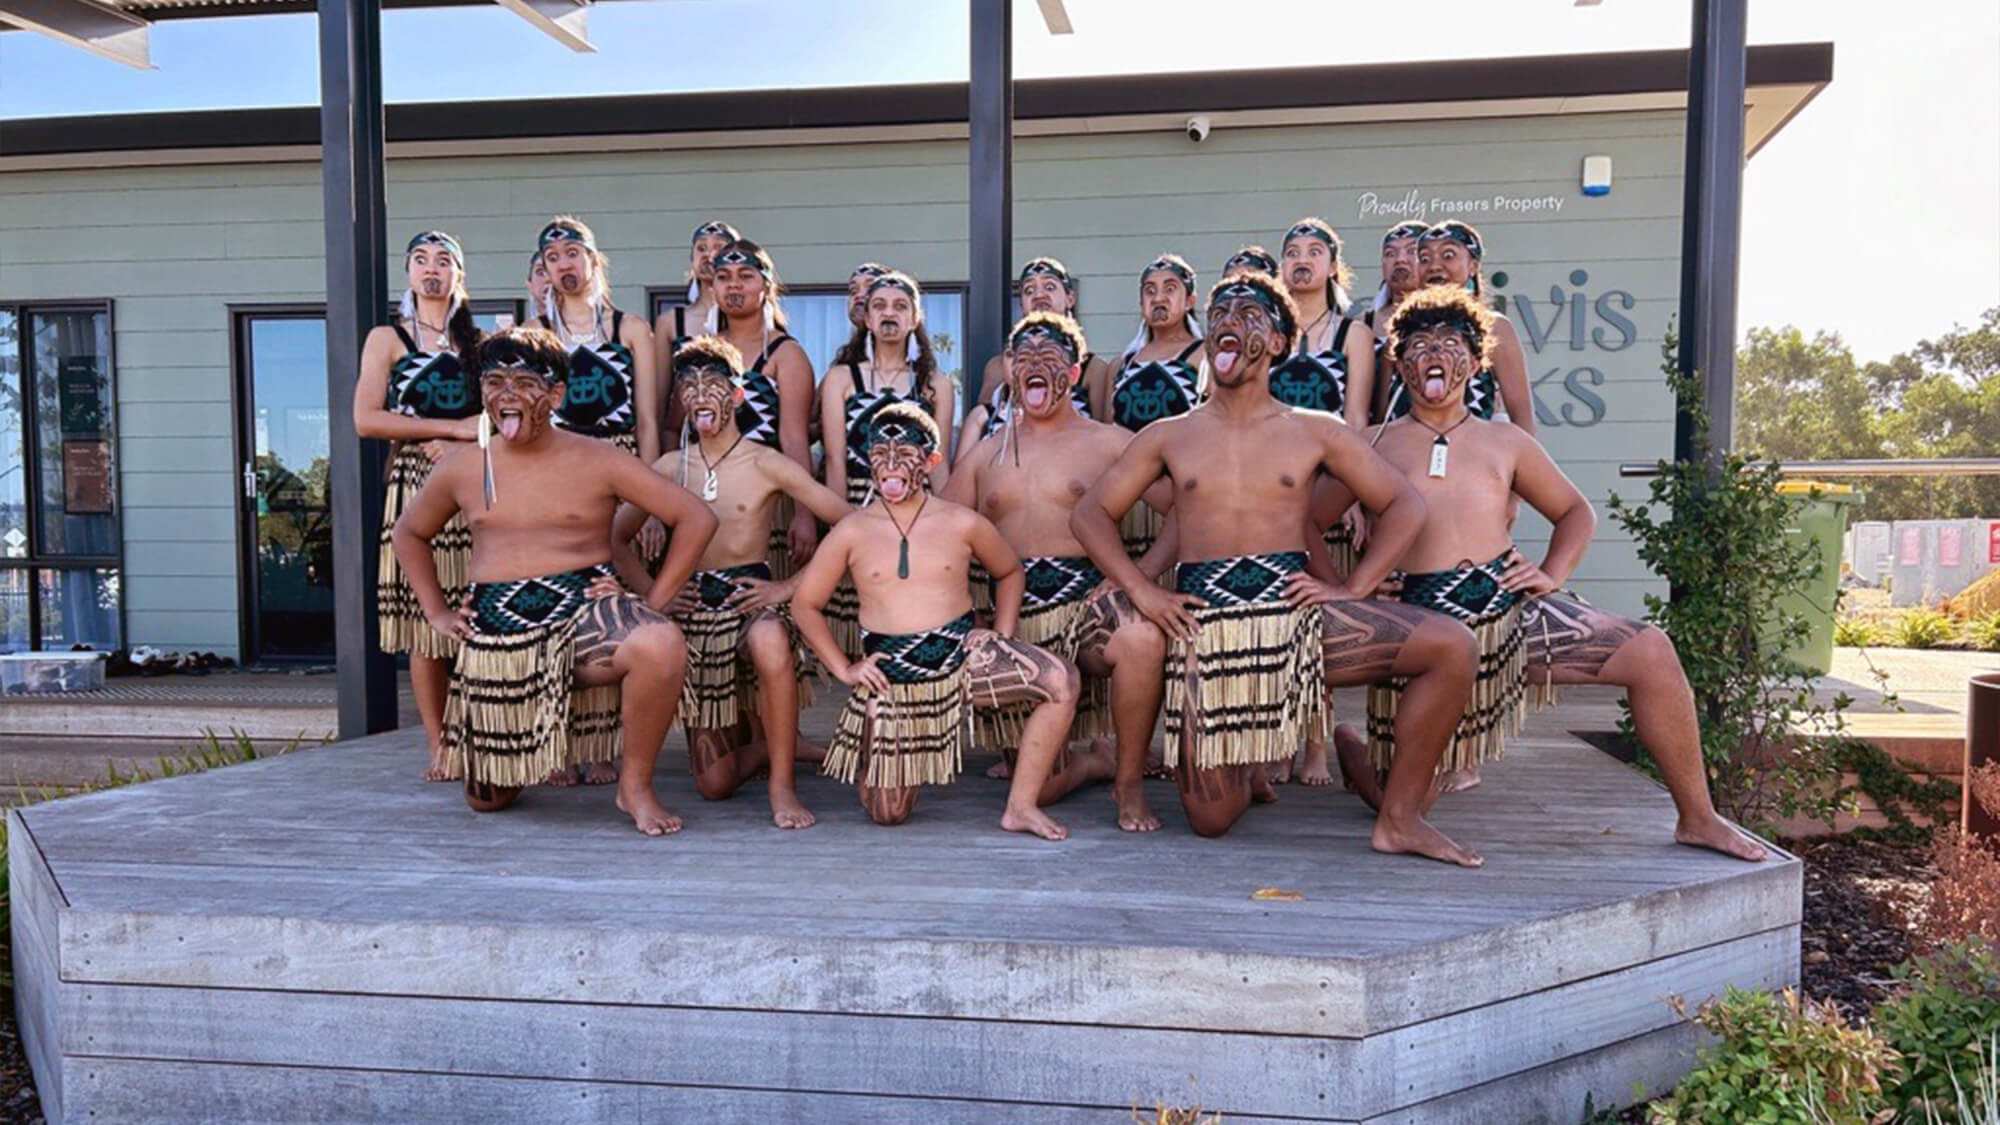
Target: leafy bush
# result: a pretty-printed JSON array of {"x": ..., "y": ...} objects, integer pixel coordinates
[
  {"x": 1922, "y": 628},
  {"x": 1782, "y": 1059},
  {"x": 1979, "y": 1100},
  {"x": 1940, "y": 1021},
  {"x": 1855, "y": 632},
  {"x": 1714, "y": 528},
  {"x": 1984, "y": 633}
]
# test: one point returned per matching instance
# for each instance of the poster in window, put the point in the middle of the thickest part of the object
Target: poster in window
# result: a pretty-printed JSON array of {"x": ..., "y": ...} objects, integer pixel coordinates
[
  {"x": 86, "y": 469},
  {"x": 79, "y": 395}
]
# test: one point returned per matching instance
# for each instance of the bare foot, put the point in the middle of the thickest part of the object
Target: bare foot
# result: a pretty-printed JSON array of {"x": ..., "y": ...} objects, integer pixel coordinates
[
  {"x": 1156, "y": 766},
  {"x": 1001, "y": 770},
  {"x": 1314, "y": 771},
  {"x": 562, "y": 777},
  {"x": 1260, "y": 786},
  {"x": 1032, "y": 820},
  {"x": 600, "y": 773},
  {"x": 1134, "y": 814},
  {"x": 1281, "y": 772},
  {"x": 647, "y": 814},
  {"x": 1458, "y": 781},
  {"x": 787, "y": 812},
  {"x": 1716, "y": 834},
  {"x": 1419, "y": 838},
  {"x": 1357, "y": 767},
  {"x": 436, "y": 771}
]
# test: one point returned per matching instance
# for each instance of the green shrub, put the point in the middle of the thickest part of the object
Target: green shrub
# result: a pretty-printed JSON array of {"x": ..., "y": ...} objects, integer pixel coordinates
[
  {"x": 1855, "y": 632},
  {"x": 1940, "y": 1021},
  {"x": 1782, "y": 1060},
  {"x": 1984, "y": 633},
  {"x": 1979, "y": 1102},
  {"x": 1922, "y": 628}
]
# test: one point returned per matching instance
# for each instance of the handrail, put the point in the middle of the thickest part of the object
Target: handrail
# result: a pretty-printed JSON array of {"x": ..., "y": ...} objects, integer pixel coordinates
[{"x": 1935, "y": 467}]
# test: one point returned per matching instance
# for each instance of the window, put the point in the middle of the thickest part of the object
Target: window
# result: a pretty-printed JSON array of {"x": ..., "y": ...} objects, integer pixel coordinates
[
  {"x": 818, "y": 318},
  {"x": 60, "y": 537}
]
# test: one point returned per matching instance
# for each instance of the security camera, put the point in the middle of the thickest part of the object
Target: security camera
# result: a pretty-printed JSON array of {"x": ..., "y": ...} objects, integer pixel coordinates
[{"x": 1198, "y": 129}]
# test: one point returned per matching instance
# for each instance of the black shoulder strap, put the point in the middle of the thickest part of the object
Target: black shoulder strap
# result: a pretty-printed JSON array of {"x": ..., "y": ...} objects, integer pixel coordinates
[
  {"x": 770, "y": 349},
  {"x": 1339, "y": 341},
  {"x": 1187, "y": 351},
  {"x": 854, "y": 379},
  {"x": 617, "y": 318},
  {"x": 680, "y": 322},
  {"x": 404, "y": 336}
]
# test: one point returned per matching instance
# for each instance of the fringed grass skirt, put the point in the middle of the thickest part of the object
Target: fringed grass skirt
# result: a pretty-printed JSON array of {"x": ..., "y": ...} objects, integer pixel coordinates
[
  {"x": 1250, "y": 686},
  {"x": 780, "y": 552},
  {"x": 1140, "y": 527},
  {"x": 916, "y": 733},
  {"x": 515, "y": 713},
  {"x": 398, "y": 614},
  {"x": 721, "y": 685},
  {"x": 843, "y": 609},
  {"x": 1499, "y": 701},
  {"x": 1339, "y": 541}
]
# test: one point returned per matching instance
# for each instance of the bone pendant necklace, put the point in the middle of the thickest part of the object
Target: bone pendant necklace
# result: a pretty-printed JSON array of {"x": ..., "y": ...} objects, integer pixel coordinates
[
  {"x": 903, "y": 533},
  {"x": 710, "y": 485},
  {"x": 1441, "y": 447}
]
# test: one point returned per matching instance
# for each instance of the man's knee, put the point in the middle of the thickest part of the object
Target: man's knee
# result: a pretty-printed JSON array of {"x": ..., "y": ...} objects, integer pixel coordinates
[
  {"x": 769, "y": 646},
  {"x": 1062, "y": 683},
  {"x": 1649, "y": 655},
  {"x": 1140, "y": 641},
  {"x": 1212, "y": 820},
  {"x": 890, "y": 807},
  {"x": 655, "y": 650},
  {"x": 1445, "y": 645}
]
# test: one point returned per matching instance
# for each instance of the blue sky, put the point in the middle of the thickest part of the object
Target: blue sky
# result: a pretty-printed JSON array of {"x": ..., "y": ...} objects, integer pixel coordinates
[{"x": 1897, "y": 150}]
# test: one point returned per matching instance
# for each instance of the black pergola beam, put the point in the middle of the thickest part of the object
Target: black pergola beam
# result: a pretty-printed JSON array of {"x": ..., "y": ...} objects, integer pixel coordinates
[
  {"x": 991, "y": 165},
  {"x": 350, "y": 129},
  {"x": 1712, "y": 218}
]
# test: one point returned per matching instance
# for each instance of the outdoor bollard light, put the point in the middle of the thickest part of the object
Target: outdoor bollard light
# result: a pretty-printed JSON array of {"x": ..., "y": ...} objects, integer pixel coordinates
[{"x": 1982, "y": 745}]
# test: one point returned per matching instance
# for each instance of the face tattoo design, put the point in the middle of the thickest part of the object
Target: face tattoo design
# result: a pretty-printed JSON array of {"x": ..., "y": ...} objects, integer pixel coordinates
[
  {"x": 899, "y": 456},
  {"x": 1043, "y": 366},
  {"x": 708, "y": 394},
  {"x": 1241, "y": 320},
  {"x": 1436, "y": 363}
]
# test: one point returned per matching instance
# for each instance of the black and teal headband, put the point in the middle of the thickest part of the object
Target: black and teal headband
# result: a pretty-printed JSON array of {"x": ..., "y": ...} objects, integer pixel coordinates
[
  {"x": 737, "y": 256},
  {"x": 712, "y": 228},
  {"x": 1451, "y": 230},
  {"x": 1252, "y": 257},
  {"x": 1172, "y": 265},
  {"x": 892, "y": 429},
  {"x": 702, "y": 363},
  {"x": 893, "y": 280},
  {"x": 561, "y": 231},
  {"x": 436, "y": 238},
  {"x": 1048, "y": 267},
  {"x": 1312, "y": 228},
  {"x": 1034, "y": 331},
  {"x": 1408, "y": 228},
  {"x": 1236, "y": 290}
]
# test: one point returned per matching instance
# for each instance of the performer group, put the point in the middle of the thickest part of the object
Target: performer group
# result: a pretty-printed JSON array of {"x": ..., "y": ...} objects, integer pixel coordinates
[{"x": 595, "y": 526}]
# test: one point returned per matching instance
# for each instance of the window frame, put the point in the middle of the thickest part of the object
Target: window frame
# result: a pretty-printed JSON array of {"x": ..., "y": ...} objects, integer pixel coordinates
[{"x": 35, "y": 562}]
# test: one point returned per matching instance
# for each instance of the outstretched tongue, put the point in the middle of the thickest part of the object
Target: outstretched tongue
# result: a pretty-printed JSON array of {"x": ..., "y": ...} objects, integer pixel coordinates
[
  {"x": 704, "y": 420},
  {"x": 1224, "y": 362},
  {"x": 510, "y": 424},
  {"x": 894, "y": 489},
  {"x": 1036, "y": 395},
  {"x": 1434, "y": 386}
]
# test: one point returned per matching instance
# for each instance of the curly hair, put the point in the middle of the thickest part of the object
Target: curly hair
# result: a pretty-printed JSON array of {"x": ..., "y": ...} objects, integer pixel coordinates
[
  {"x": 908, "y": 413},
  {"x": 707, "y": 351},
  {"x": 1287, "y": 310},
  {"x": 1444, "y": 306},
  {"x": 1055, "y": 323}
]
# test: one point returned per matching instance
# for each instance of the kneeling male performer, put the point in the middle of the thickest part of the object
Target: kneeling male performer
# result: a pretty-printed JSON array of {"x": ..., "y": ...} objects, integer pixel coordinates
[
  {"x": 1529, "y": 631},
  {"x": 924, "y": 666},
  {"x": 1026, "y": 477},
  {"x": 743, "y": 655},
  {"x": 1257, "y": 643},
  {"x": 539, "y": 502}
]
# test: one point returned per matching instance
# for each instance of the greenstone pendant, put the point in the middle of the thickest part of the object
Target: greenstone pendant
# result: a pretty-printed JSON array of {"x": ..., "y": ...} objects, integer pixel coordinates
[{"x": 903, "y": 560}]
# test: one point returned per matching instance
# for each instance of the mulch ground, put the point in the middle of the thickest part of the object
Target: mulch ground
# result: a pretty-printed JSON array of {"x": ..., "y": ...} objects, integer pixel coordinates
[{"x": 1856, "y": 892}]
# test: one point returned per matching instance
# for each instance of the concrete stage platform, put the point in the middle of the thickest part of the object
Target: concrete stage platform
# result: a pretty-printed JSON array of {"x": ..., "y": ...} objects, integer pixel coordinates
[{"x": 320, "y": 937}]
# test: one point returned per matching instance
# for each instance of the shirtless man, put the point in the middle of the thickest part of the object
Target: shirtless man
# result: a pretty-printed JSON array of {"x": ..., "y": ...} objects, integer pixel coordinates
[
  {"x": 743, "y": 657},
  {"x": 1046, "y": 285},
  {"x": 1026, "y": 479},
  {"x": 1466, "y": 468},
  {"x": 923, "y": 662},
  {"x": 1257, "y": 643},
  {"x": 536, "y": 688}
]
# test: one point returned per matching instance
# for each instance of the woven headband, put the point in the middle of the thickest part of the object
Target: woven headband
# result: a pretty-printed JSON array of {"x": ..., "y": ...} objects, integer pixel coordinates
[
  {"x": 870, "y": 270},
  {"x": 1313, "y": 230},
  {"x": 737, "y": 256},
  {"x": 520, "y": 362},
  {"x": 1239, "y": 289},
  {"x": 1259, "y": 260},
  {"x": 564, "y": 232},
  {"x": 1407, "y": 229},
  {"x": 436, "y": 238},
  {"x": 703, "y": 365},
  {"x": 893, "y": 281},
  {"x": 1049, "y": 267},
  {"x": 1453, "y": 232},
  {"x": 1165, "y": 263},
  {"x": 713, "y": 228},
  {"x": 900, "y": 431},
  {"x": 1042, "y": 333}
]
